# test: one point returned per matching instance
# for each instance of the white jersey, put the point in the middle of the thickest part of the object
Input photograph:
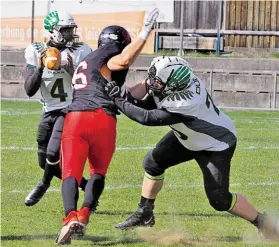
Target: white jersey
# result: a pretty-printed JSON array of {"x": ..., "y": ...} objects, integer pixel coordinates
[
  {"x": 56, "y": 87},
  {"x": 204, "y": 126}
]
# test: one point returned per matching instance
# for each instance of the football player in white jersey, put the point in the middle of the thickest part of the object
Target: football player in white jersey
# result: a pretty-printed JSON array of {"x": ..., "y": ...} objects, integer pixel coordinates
[
  {"x": 200, "y": 131},
  {"x": 56, "y": 92}
]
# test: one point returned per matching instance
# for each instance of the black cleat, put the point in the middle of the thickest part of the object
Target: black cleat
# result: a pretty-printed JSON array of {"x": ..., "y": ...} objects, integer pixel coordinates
[
  {"x": 143, "y": 217},
  {"x": 36, "y": 194}
]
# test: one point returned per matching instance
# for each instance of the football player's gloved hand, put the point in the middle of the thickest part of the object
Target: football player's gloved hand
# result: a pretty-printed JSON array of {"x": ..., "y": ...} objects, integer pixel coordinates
[
  {"x": 149, "y": 20},
  {"x": 69, "y": 66},
  {"x": 113, "y": 90},
  {"x": 43, "y": 55}
]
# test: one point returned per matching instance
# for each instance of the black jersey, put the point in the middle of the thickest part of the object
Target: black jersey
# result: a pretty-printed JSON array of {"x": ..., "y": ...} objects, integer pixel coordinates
[{"x": 89, "y": 84}]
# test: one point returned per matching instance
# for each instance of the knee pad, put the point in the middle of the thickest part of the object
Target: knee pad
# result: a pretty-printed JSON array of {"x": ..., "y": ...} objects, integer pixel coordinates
[
  {"x": 42, "y": 158},
  {"x": 151, "y": 166},
  {"x": 53, "y": 152},
  {"x": 42, "y": 138},
  {"x": 42, "y": 152},
  {"x": 220, "y": 200},
  {"x": 52, "y": 159}
]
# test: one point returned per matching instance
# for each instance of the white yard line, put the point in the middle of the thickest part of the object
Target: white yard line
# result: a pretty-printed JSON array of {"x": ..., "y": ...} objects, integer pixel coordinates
[
  {"x": 15, "y": 113},
  {"x": 34, "y": 148},
  {"x": 183, "y": 186},
  {"x": 137, "y": 148}
]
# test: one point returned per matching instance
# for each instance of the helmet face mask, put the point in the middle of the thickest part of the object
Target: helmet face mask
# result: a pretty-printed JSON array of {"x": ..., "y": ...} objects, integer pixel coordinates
[
  {"x": 168, "y": 75},
  {"x": 155, "y": 85},
  {"x": 115, "y": 34},
  {"x": 61, "y": 28}
]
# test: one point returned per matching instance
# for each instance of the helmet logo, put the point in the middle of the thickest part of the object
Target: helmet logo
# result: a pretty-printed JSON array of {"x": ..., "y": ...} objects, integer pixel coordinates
[
  {"x": 116, "y": 34},
  {"x": 180, "y": 78},
  {"x": 110, "y": 35},
  {"x": 51, "y": 20}
]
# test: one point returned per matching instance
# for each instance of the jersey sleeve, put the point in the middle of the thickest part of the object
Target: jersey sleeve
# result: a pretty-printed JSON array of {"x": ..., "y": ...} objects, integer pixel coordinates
[
  {"x": 153, "y": 117},
  {"x": 86, "y": 50},
  {"x": 31, "y": 56},
  {"x": 185, "y": 104}
]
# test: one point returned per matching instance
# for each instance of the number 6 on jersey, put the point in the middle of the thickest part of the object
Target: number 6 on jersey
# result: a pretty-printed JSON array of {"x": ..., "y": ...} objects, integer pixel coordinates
[{"x": 80, "y": 80}]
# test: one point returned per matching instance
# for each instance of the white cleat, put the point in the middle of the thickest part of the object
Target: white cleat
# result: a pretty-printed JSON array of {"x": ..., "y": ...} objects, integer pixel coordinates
[{"x": 73, "y": 227}]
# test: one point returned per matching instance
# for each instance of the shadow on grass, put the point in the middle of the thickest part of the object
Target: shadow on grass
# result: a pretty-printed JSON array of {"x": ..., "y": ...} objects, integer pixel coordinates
[
  {"x": 226, "y": 215},
  {"x": 111, "y": 241},
  {"x": 28, "y": 237},
  {"x": 231, "y": 239},
  {"x": 96, "y": 240}
]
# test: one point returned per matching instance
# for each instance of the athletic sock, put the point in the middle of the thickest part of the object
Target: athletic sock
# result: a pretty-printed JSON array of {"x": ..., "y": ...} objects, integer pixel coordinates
[
  {"x": 258, "y": 220},
  {"x": 147, "y": 202}
]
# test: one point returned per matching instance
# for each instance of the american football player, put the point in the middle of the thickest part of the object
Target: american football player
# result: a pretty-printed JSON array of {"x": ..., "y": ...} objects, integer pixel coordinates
[
  {"x": 56, "y": 91},
  {"x": 199, "y": 131},
  {"x": 90, "y": 124}
]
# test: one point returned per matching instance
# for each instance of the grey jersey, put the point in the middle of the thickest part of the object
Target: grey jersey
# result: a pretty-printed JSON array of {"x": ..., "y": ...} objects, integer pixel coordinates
[
  {"x": 205, "y": 126},
  {"x": 56, "y": 87}
]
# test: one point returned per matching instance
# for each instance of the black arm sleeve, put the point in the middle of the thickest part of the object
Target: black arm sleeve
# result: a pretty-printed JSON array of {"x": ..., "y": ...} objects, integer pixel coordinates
[
  {"x": 154, "y": 117},
  {"x": 33, "y": 80}
]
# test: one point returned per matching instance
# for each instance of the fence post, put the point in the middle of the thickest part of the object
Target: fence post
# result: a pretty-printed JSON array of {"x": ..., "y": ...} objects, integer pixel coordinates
[
  {"x": 219, "y": 27},
  {"x": 32, "y": 21},
  {"x": 157, "y": 37},
  {"x": 181, "y": 53},
  {"x": 275, "y": 90},
  {"x": 210, "y": 82}
]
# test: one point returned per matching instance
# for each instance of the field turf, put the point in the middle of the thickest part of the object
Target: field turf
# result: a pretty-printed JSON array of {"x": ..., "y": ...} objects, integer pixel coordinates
[{"x": 183, "y": 214}]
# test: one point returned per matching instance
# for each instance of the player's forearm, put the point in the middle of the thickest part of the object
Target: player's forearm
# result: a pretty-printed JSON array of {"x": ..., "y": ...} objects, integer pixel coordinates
[
  {"x": 145, "y": 117},
  {"x": 127, "y": 56},
  {"x": 33, "y": 81},
  {"x": 130, "y": 52}
]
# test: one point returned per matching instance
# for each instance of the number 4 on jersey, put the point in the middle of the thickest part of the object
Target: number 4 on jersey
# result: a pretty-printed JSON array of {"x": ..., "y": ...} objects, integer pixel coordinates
[{"x": 57, "y": 90}]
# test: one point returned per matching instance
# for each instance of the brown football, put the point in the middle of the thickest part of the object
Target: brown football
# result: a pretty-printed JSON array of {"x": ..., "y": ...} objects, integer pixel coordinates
[{"x": 52, "y": 59}]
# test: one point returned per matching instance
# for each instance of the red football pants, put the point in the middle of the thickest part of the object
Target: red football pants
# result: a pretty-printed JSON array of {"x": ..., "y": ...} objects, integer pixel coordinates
[{"x": 87, "y": 134}]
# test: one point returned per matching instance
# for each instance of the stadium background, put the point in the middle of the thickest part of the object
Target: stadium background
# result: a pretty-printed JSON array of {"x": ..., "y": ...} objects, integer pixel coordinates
[{"x": 250, "y": 28}]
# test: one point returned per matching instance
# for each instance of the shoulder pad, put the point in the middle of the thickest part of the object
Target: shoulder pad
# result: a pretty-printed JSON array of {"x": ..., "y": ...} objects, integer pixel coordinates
[{"x": 180, "y": 96}]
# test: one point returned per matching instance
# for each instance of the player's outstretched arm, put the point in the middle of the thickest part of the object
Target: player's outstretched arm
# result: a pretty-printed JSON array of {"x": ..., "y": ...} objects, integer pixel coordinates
[
  {"x": 154, "y": 117},
  {"x": 129, "y": 54}
]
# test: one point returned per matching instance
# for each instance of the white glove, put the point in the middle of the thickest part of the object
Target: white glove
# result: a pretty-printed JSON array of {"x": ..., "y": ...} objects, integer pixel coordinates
[{"x": 149, "y": 20}]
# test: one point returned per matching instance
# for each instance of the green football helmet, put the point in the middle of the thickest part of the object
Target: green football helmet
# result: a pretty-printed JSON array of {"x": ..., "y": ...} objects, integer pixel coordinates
[
  {"x": 61, "y": 28},
  {"x": 168, "y": 75}
]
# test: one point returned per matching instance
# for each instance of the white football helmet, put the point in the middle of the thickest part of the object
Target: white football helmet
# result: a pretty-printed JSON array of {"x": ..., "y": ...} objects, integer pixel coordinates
[
  {"x": 167, "y": 75},
  {"x": 61, "y": 28}
]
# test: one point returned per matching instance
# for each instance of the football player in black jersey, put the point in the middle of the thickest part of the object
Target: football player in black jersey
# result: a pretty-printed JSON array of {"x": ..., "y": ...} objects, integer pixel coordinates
[{"x": 90, "y": 124}]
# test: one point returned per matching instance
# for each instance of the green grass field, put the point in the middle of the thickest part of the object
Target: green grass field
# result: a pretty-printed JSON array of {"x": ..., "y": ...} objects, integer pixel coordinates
[{"x": 183, "y": 215}]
